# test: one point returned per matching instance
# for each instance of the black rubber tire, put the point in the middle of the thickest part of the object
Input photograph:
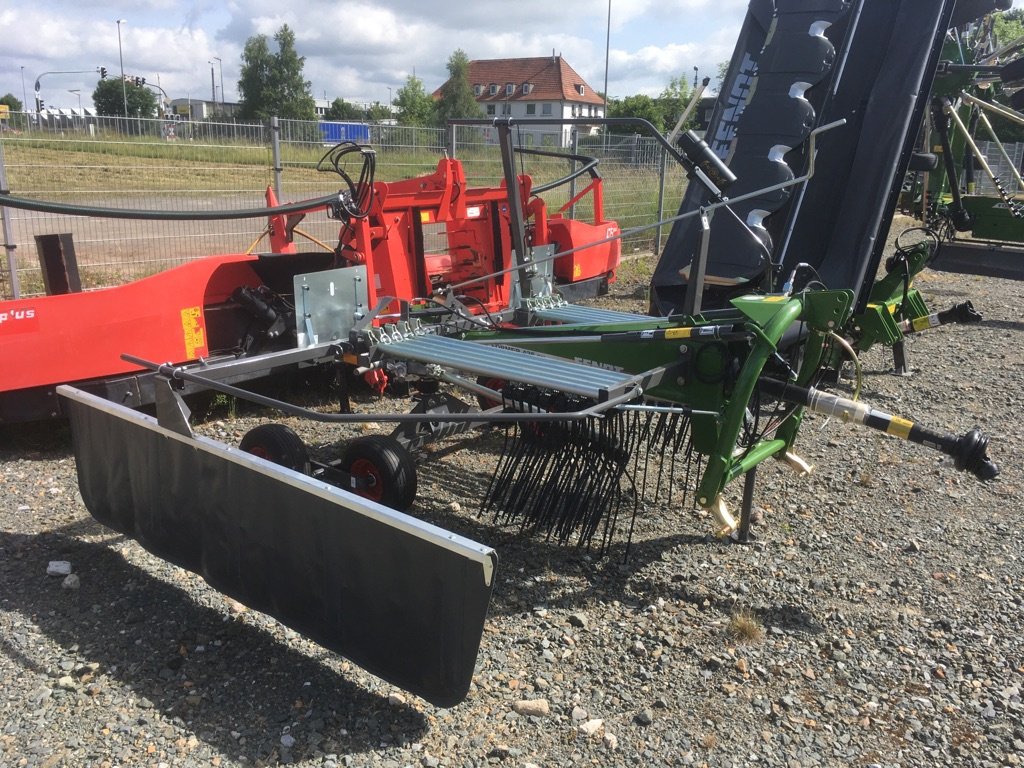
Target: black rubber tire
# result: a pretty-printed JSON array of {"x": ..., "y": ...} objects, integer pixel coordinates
[
  {"x": 278, "y": 444},
  {"x": 491, "y": 382},
  {"x": 389, "y": 465}
]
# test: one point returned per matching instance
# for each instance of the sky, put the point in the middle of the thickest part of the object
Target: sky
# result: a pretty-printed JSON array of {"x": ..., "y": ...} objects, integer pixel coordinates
[
  {"x": 355, "y": 50},
  {"x": 360, "y": 51}
]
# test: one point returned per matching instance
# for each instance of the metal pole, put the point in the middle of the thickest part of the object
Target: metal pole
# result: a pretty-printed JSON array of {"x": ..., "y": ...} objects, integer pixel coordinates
[
  {"x": 120, "y": 57},
  {"x": 220, "y": 67},
  {"x": 515, "y": 212},
  {"x": 24, "y": 94},
  {"x": 575, "y": 134},
  {"x": 607, "y": 50},
  {"x": 662, "y": 172},
  {"x": 213, "y": 84},
  {"x": 8, "y": 230},
  {"x": 275, "y": 148}
]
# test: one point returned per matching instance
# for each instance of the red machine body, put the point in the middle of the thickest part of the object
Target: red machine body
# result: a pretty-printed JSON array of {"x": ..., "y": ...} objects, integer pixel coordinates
[
  {"x": 419, "y": 236},
  {"x": 433, "y": 231}
]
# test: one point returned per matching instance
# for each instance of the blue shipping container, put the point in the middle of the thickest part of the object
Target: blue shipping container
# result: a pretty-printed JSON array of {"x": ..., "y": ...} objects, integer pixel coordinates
[{"x": 335, "y": 133}]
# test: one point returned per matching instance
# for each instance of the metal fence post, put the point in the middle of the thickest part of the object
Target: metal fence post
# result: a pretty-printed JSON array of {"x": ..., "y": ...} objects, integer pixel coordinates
[
  {"x": 575, "y": 149},
  {"x": 451, "y": 140},
  {"x": 661, "y": 200},
  {"x": 8, "y": 231},
  {"x": 275, "y": 148}
]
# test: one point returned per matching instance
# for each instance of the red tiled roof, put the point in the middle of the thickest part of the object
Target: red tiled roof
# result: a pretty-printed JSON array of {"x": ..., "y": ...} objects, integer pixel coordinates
[{"x": 550, "y": 79}]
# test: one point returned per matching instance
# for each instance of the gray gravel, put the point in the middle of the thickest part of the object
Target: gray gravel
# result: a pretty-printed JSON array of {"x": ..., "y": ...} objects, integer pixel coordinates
[{"x": 883, "y": 610}]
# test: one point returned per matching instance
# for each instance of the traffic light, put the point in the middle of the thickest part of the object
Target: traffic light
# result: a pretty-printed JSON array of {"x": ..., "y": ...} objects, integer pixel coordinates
[{"x": 103, "y": 73}]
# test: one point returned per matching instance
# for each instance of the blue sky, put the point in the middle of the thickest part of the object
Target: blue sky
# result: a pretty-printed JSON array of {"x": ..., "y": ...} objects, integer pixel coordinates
[{"x": 356, "y": 50}]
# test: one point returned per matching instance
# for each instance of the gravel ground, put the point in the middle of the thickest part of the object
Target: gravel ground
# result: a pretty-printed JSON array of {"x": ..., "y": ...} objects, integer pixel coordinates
[{"x": 877, "y": 621}]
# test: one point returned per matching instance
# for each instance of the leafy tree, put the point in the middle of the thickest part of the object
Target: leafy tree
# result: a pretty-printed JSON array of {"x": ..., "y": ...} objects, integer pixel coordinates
[
  {"x": 415, "y": 107},
  {"x": 12, "y": 102},
  {"x": 457, "y": 98},
  {"x": 378, "y": 112},
  {"x": 638, "y": 106},
  {"x": 673, "y": 101},
  {"x": 1008, "y": 26},
  {"x": 342, "y": 110},
  {"x": 271, "y": 83},
  {"x": 109, "y": 99}
]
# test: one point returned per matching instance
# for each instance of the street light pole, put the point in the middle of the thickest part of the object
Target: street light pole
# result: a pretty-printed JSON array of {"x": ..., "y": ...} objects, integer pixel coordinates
[
  {"x": 120, "y": 56},
  {"x": 24, "y": 98},
  {"x": 220, "y": 67}
]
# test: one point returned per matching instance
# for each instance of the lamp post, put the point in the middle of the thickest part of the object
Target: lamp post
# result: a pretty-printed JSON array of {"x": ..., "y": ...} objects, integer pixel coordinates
[
  {"x": 120, "y": 56},
  {"x": 24, "y": 98},
  {"x": 389, "y": 102},
  {"x": 220, "y": 69}
]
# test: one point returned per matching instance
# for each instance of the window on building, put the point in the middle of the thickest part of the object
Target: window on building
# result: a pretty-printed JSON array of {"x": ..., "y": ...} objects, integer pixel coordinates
[
  {"x": 545, "y": 109},
  {"x": 581, "y": 88},
  {"x": 493, "y": 89},
  {"x": 490, "y": 109},
  {"x": 527, "y": 87},
  {"x": 506, "y": 108},
  {"x": 510, "y": 89},
  {"x": 531, "y": 109},
  {"x": 478, "y": 89}
]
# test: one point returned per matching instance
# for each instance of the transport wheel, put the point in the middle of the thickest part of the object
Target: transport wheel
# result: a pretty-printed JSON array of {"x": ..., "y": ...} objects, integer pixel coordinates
[
  {"x": 491, "y": 382},
  {"x": 386, "y": 467},
  {"x": 278, "y": 444}
]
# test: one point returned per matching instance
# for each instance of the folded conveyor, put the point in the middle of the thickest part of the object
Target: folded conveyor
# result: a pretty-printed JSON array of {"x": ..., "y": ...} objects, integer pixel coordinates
[
  {"x": 576, "y": 315},
  {"x": 514, "y": 365}
]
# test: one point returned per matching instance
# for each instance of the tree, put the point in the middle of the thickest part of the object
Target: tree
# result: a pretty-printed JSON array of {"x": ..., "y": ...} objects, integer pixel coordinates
[
  {"x": 1008, "y": 26},
  {"x": 13, "y": 102},
  {"x": 638, "y": 106},
  {"x": 457, "y": 98},
  {"x": 109, "y": 99},
  {"x": 271, "y": 84},
  {"x": 378, "y": 112},
  {"x": 673, "y": 101},
  {"x": 342, "y": 110},
  {"x": 415, "y": 107}
]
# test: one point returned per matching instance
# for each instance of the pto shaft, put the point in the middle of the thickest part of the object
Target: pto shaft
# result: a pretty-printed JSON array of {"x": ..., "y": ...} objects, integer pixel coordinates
[{"x": 969, "y": 450}]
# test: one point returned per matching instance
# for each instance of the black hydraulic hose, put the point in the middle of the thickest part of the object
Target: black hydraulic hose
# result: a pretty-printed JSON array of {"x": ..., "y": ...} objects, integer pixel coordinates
[{"x": 43, "y": 206}]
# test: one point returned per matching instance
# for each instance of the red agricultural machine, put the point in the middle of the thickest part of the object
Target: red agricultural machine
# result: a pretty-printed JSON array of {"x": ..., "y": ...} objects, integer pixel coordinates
[{"x": 418, "y": 239}]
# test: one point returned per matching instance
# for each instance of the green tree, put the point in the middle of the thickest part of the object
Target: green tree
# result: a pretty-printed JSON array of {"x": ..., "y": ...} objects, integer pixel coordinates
[
  {"x": 109, "y": 99},
  {"x": 638, "y": 106},
  {"x": 415, "y": 107},
  {"x": 272, "y": 83},
  {"x": 378, "y": 112},
  {"x": 342, "y": 110},
  {"x": 673, "y": 101},
  {"x": 457, "y": 98},
  {"x": 12, "y": 102},
  {"x": 1008, "y": 26}
]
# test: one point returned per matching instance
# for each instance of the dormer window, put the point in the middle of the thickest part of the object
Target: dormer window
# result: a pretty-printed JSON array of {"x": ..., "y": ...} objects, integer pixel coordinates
[
  {"x": 510, "y": 89},
  {"x": 581, "y": 88},
  {"x": 493, "y": 90},
  {"x": 527, "y": 87},
  {"x": 478, "y": 89}
]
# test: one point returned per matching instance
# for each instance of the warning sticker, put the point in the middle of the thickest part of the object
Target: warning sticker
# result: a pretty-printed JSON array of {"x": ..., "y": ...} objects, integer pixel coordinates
[{"x": 194, "y": 331}]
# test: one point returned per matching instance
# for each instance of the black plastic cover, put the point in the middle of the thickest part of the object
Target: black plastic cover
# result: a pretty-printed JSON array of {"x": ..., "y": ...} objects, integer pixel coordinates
[
  {"x": 402, "y": 599},
  {"x": 799, "y": 65}
]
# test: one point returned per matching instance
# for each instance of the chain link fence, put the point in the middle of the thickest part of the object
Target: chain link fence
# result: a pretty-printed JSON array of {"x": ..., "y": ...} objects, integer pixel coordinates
[{"x": 184, "y": 166}]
